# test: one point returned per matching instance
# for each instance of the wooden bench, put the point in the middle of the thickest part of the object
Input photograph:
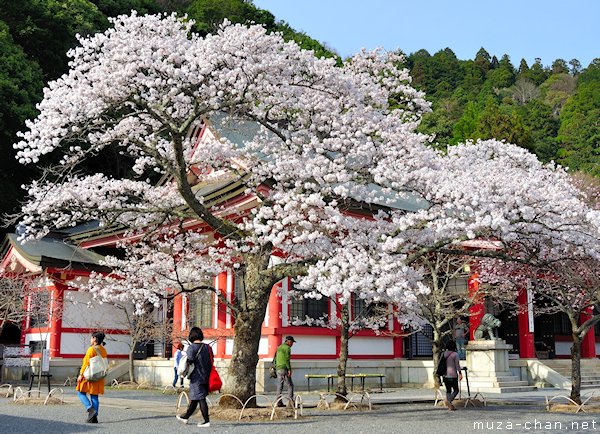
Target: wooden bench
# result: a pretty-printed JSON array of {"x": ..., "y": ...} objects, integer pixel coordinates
[
  {"x": 329, "y": 378},
  {"x": 361, "y": 378}
]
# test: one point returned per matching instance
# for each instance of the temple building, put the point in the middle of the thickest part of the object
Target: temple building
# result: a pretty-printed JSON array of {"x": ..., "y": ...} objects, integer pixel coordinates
[{"x": 60, "y": 261}]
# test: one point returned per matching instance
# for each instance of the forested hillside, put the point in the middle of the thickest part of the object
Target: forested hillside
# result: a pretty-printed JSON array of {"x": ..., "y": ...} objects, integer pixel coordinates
[{"x": 551, "y": 110}]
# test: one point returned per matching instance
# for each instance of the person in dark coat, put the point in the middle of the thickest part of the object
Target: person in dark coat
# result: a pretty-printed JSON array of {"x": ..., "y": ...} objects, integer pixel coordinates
[{"x": 199, "y": 354}]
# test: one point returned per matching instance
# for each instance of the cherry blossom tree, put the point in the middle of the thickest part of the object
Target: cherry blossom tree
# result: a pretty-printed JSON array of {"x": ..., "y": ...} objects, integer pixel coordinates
[
  {"x": 447, "y": 301},
  {"x": 568, "y": 285},
  {"x": 563, "y": 279},
  {"x": 326, "y": 132},
  {"x": 350, "y": 317},
  {"x": 14, "y": 290}
]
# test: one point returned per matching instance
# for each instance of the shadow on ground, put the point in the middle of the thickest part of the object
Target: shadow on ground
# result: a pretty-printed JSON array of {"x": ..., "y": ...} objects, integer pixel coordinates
[{"x": 29, "y": 425}]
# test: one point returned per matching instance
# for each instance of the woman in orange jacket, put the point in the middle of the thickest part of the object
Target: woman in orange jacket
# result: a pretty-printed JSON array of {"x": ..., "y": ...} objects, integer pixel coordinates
[{"x": 93, "y": 388}]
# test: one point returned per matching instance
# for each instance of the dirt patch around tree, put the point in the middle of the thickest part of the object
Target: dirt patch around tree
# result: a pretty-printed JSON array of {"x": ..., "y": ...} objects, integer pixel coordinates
[{"x": 570, "y": 408}]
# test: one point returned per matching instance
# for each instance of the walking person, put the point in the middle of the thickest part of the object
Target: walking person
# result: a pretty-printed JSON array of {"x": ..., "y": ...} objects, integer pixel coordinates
[
  {"x": 176, "y": 360},
  {"x": 453, "y": 374},
  {"x": 284, "y": 370},
  {"x": 200, "y": 354},
  {"x": 87, "y": 387}
]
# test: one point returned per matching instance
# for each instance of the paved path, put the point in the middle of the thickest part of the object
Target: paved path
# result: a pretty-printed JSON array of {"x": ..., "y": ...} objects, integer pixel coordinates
[{"x": 407, "y": 411}]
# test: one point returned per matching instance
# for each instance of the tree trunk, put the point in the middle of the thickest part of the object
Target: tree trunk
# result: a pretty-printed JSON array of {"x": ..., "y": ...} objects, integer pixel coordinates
[
  {"x": 343, "y": 356},
  {"x": 131, "y": 363},
  {"x": 576, "y": 368},
  {"x": 241, "y": 378},
  {"x": 436, "y": 349}
]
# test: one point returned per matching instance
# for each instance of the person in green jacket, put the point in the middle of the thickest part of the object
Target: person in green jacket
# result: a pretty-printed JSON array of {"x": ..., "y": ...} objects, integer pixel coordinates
[{"x": 284, "y": 370}]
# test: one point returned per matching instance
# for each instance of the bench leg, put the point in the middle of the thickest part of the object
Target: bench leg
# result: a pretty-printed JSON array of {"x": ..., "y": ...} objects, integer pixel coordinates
[
  {"x": 362, "y": 384},
  {"x": 381, "y": 384},
  {"x": 308, "y": 379}
]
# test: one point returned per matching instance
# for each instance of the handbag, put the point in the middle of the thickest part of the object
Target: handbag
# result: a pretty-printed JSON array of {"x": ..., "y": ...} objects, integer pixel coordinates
[
  {"x": 97, "y": 367},
  {"x": 442, "y": 365},
  {"x": 186, "y": 366},
  {"x": 214, "y": 379}
]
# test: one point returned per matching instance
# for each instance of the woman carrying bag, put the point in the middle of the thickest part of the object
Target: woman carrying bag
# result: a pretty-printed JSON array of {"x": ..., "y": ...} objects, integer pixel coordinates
[
  {"x": 200, "y": 355},
  {"x": 90, "y": 380},
  {"x": 453, "y": 374}
]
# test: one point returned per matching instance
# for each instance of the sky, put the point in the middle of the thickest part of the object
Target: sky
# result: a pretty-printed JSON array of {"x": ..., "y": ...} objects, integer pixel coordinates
[{"x": 548, "y": 29}]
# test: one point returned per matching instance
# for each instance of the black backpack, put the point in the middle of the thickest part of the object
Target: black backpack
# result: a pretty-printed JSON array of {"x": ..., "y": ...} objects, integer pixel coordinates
[{"x": 442, "y": 366}]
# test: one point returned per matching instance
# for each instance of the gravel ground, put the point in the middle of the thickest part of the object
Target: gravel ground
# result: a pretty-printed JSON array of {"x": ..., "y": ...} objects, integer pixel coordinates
[{"x": 400, "y": 418}]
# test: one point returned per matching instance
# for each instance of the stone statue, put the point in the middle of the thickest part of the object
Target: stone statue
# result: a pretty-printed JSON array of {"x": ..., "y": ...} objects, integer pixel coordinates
[{"x": 489, "y": 324}]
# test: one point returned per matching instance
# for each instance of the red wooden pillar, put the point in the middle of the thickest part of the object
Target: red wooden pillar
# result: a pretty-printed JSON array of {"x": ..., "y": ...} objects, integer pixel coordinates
[
  {"x": 274, "y": 309},
  {"x": 398, "y": 342},
  {"x": 588, "y": 344},
  {"x": 178, "y": 324},
  {"x": 221, "y": 312},
  {"x": 476, "y": 311},
  {"x": 55, "y": 326},
  {"x": 526, "y": 332}
]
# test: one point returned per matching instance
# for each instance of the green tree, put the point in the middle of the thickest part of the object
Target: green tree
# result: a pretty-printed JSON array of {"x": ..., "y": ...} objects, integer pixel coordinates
[
  {"x": 440, "y": 122},
  {"x": 494, "y": 123},
  {"x": 543, "y": 128},
  {"x": 557, "y": 89},
  {"x": 20, "y": 89},
  {"x": 445, "y": 73},
  {"x": 467, "y": 124},
  {"x": 539, "y": 74},
  {"x": 471, "y": 82},
  {"x": 483, "y": 61},
  {"x": 494, "y": 62},
  {"x": 575, "y": 66},
  {"x": 503, "y": 75},
  {"x": 46, "y": 29},
  {"x": 559, "y": 66},
  {"x": 524, "y": 71},
  {"x": 419, "y": 65}
]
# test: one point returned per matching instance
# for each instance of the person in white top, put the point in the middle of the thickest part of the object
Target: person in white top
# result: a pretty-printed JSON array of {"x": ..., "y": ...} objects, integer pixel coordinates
[{"x": 176, "y": 359}]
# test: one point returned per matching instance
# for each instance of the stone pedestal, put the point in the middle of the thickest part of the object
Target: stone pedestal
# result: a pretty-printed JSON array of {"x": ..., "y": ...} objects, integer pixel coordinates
[
  {"x": 488, "y": 369},
  {"x": 488, "y": 358}
]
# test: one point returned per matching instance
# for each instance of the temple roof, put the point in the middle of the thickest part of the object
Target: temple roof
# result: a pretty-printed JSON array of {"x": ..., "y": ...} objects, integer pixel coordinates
[{"x": 54, "y": 252}]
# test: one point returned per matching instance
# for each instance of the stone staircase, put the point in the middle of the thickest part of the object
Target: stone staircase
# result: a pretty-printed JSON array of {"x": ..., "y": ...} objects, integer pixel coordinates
[
  {"x": 499, "y": 384},
  {"x": 116, "y": 370},
  {"x": 590, "y": 370},
  {"x": 489, "y": 368}
]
